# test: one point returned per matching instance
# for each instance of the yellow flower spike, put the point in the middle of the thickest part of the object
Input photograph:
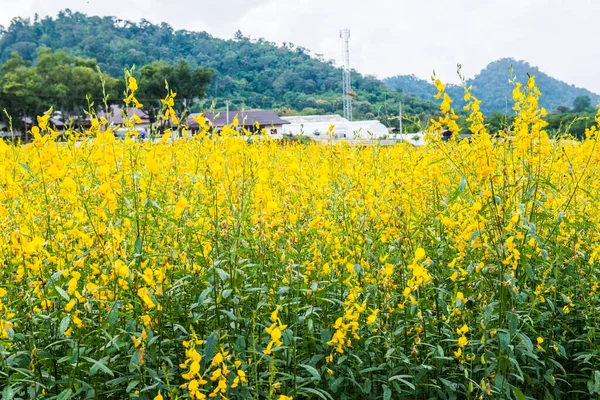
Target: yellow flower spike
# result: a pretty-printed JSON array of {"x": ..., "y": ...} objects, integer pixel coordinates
[
  {"x": 419, "y": 254},
  {"x": 132, "y": 84},
  {"x": 371, "y": 319}
]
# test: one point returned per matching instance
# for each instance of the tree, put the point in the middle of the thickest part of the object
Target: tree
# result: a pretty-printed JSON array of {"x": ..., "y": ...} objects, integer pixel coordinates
[
  {"x": 187, "y": 83},
  {"x": 248, "y": 73},
  {"x": 581, "y": 103},
  {"x": 70, "y": 84},
  {"x": 19, "y": 88}
]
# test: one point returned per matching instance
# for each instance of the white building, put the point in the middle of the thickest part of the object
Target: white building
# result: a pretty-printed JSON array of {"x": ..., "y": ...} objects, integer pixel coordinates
[{"x": 316, "y": 126}]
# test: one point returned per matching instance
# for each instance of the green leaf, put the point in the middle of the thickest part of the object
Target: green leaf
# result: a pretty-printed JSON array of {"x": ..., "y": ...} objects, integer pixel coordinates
[
  {"x": 451, "y": 386},
  {"x": 229, "y": 314},
  {"x": 335, "y": 384},
  {"x": 99, "y": 366},
  {"x": 320, "y": 393},
  {"x": 597, "y": 382},
  {"x": 313, "y": 371},
  {"x": 204, "y": 294},
  {"x": 26, "y": 168},
  {"x": 371, "y": 369},
  {"x": 8, "y": 393},
  {"x": 504, "y": 338},
  {"x": 223, "y": 275},
  {"x": 64, "y": 395},
  {"x": 64, "y": 324},
  {"x": 387, "y": 393},
  {"x": 62, "y": 293},
  {"x": 402, "y": 378},
  {"x": 137, "y": 247},
  {"x": 132, "y": 385},
  {"x": 518, "y": 394},
  {"x": 210, "y": 347},
  {"x": 549, "y": 378}
]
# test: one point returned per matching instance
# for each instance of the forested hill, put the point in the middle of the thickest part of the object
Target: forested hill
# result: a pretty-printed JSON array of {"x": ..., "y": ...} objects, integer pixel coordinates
[
  {"x": 492, "y": 87},
  {"x": 248, "y": 72}
]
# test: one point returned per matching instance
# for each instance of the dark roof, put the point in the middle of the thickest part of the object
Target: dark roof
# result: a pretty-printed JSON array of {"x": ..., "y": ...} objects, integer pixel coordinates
[
  {"x": 246, "y": 118},
  {"x": 53, "y": 120},
  {"x": 57, "y": 122},
  {"x": 117, "y": 114}
]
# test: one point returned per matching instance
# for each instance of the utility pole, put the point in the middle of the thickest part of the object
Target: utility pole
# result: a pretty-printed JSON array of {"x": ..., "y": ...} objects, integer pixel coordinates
[
  {"x": 400, "y": 117},
  {"x": 227, "y": 112},
  {"x": 347, "y": 88}
]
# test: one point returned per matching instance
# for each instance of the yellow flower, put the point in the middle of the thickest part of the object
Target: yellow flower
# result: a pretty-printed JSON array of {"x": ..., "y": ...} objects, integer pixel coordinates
[
  {"x": 371, "y": 319},
  {"x": 419, "y": 254},
  {"x": 70, "y": 305},
  {"x": 133, "y": 86},
  {"x": 158, "y": 396},
  {"x": 539, "y": 341}
]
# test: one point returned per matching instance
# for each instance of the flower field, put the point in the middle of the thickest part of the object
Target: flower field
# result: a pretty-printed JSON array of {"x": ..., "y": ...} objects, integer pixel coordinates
[{"x": 218, "y": 268}]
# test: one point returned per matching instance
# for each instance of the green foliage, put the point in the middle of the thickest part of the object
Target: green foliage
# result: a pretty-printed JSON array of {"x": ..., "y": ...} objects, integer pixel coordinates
[
  {"x": 250, "y": 73},
  {"x": 582, "y": 103},
  {"x": 413, "y": 85},
  {"x": 492, "y": 87},
  {"x": 58, "y": 80},
  {"x": 187, "y": 82}
]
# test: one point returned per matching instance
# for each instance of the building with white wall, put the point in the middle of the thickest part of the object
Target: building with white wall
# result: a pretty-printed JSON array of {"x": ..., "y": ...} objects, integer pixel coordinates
[{"x": 316, "y": 126}]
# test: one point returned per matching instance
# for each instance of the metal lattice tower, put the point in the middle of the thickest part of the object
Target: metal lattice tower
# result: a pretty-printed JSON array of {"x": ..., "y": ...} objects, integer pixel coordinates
[{"x": 345, "y": 36}]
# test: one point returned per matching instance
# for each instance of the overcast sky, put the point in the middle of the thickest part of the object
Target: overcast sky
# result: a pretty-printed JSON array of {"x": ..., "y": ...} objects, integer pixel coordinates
[{"x": 388, "y": 37}]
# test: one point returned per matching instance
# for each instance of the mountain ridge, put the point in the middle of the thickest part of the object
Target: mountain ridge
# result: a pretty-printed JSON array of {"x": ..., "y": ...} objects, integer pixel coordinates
[
  {"x": 491, "y": 85},
  {"x": 255, "y": 73}
]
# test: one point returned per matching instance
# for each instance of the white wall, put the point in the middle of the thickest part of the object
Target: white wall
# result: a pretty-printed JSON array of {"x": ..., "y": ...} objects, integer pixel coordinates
[{"x": 346, "y": 130}]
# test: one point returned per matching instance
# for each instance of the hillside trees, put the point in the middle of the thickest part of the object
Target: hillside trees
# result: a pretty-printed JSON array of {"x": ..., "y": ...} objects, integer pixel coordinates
[
  {"x": 19, "y": 84},
  {"x": 188, "y": 83},
  {"x": 493, "y": 88},
  {"x": 58, "y": 80},
  {"x": 582, "y": 103},
  {"x": 249, "y": 73}
]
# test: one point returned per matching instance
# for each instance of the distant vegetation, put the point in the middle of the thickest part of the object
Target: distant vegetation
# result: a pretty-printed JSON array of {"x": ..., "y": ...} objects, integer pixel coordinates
[
  {"x": 74, "y": 85},
  {"x": 492, "y": 87},
  {"x": 54, "y": 61},
  {"x": 250, "y": 73}
]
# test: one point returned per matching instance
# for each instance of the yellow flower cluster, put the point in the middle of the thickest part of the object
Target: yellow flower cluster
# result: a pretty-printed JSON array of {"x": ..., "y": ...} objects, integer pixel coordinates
[{"x": 114, "y": 252}]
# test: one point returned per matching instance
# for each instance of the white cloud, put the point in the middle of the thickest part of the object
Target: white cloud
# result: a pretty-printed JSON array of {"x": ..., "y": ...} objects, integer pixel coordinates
[{"x": 389, "y": 37}]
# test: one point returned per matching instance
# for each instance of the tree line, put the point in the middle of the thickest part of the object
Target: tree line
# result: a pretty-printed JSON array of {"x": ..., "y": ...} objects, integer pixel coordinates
[
  {"x": 247, "y": 72},
  {"x": 75, "y": 85}
]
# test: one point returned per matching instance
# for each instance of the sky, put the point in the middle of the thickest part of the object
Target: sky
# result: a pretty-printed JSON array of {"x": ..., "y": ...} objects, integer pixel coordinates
[{"x": 388, "y": 37}]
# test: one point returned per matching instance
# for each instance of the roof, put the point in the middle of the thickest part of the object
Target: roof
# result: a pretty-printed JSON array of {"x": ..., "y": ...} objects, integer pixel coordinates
[
  {"x": 303, "y": 119},
  {"x": 117, "y": 114},
  {"x": 246, "y": 118},
  {"x": 57, "y": 122},
  {"x": 53, "y": 120}
]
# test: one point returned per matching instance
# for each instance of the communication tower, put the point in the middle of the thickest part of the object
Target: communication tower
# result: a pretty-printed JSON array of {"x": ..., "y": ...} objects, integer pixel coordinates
[{"x": 345, "y": 36}]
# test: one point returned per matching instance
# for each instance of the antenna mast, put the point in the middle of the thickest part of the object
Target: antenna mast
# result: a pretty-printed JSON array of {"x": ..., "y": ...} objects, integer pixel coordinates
[
  {"x": 400, "y": 117},
  {"x": 345, "y": 36}
]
